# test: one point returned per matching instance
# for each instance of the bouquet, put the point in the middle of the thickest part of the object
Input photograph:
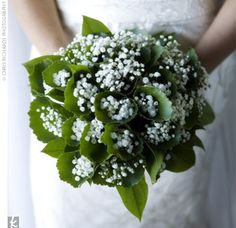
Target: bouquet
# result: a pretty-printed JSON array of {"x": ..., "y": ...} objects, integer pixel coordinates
[{"x": 114, "y": 107}]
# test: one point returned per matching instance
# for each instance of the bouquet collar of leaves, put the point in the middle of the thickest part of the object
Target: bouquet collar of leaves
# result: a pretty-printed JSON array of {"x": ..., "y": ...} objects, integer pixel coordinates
[{"x": 110, "y": 106}]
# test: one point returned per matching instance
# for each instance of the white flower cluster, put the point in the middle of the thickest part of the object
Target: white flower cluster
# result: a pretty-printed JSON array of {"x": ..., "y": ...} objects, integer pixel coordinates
[
  {"x": 61, "y": 77},
  {"x": 147, "y": 104},
  {"x": 83, "y": 168},
  {"x": 52, "y": 120},
  {"x": 151, "y": 80},
  {"x": 157, "y": 133},
  {"x": 117, "y": 57},
  {"x": 78, "y": 128},
  {"x": 117, "y": 109},
  {"x": 182, "y": 106},
  {"x": 114, "y": 170},
  {"x": 85, "y": 92},
  {"x": 95, "y": 132},
  {"x": 125, "y": 140},
  {"x": 184, "y": 135}
]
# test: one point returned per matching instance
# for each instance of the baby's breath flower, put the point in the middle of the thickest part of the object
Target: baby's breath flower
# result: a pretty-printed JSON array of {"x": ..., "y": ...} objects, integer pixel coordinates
[
  {"x": 83, "y": 168},
  {"x": 52, "y": 120},
  {"x": 118, "y": 109},
  {"x": 61, "y": 77}
]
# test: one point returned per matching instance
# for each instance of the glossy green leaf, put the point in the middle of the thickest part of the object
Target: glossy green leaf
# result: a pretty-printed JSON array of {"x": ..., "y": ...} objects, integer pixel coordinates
[
  {"x": 94, "y": 152},
  {"x": 164, "y": 104},
  {"x": 109, "y": 142},
  {"x": 36, "y": 123},
  {"x": 35, "y": 68},
  {"x": 207, "y": 116},
  {"x": 156, "y": 52},
  {"x": 67, "y": 132},
  {"x": 182, "y": 159},
  {"x": 135, "y": 198},
  {"x": 93, "y": 26},
  {"x": 154, "y": 160},
  {"x": 194, "y": 141},
  {"x": 56, "y": 94},
  {"x": 128, "y": 181},
  {"x": 70, "y": 100},
  {"x": 145, "y": 54},
  {"x": 30, "y": 65},
  {"x": 55, "y": 147},
  {"x": 193, "y": 56},
  {"x": 53, "y": 69},
  {"x": 65, "y": 167}
]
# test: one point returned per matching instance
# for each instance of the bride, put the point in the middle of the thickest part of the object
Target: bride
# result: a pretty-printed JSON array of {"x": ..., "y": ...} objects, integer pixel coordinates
[{"x": 199, "y": 198}]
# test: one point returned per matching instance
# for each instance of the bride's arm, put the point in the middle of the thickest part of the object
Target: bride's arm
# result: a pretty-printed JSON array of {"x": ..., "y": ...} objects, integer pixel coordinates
[
  {"x": 41, "y": 22},
  {"x": 220, "y": 39}
]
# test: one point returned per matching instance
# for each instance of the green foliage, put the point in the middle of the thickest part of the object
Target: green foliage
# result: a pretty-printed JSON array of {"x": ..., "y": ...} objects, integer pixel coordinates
[
  {"x": 93, "y": 26},
  {"x": 35, "y": 68},
  {"x": 55, "y": 147},
  {"x": 135, "y": 198},
  {"x": 56, "y": 94},
  {"x": 207, "y": 116},
  {"x": 94, "y": 152},
  {"x": 183, "y": 158},
  {"x": 154, "y": 160},
  {"x": 102, "y": 114},
  {"x": 65, "y": 167},
  {"x": 109, "y": 142},
  {"x": 53, "y": 69},
  {"x": 164, "y": 104},
  {"x": 67, "y": 132}
]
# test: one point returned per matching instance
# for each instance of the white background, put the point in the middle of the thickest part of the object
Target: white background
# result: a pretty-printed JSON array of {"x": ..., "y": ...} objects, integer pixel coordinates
[{"x": 19, "y": 195}]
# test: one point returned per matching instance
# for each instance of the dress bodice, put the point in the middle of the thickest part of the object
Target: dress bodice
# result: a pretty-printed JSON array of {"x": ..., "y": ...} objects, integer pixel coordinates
[{"x": 186, "y": 17}]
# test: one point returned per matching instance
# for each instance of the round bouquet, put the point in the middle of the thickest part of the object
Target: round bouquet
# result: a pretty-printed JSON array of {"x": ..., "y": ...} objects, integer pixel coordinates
[{"x": 112, "y": 106}]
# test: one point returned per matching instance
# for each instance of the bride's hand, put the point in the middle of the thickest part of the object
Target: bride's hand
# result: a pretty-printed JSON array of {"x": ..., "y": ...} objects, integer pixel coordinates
[
  {"x": 220, "y": 39},
  {"x": 42, "y": 24}
]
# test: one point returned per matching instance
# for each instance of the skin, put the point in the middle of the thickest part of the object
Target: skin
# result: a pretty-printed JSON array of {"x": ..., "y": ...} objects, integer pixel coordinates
[
  {"x": 42, "y": 24},
  {"x": 219, "y": 41}
]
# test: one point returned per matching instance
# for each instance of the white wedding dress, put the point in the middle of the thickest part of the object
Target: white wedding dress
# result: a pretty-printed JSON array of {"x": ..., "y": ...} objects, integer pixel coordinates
[{"x": 199, "y": 198}]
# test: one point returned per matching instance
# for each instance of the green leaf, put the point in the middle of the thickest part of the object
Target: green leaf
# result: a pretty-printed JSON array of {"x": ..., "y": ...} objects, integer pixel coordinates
[
  {"x": 69, "y": 148},
  {"x": 207, "y": 116},
  {"x": 102, "y": 114},
  {"x": 170, "y": 77},
  {"x": 35, "y": 68},
  {"x": 128, "y": 181},
  {"x": 36, "y": 123},
  {"x": 109, "y": 142},
  {"x": 194, "y": 141},
  {"x": 55, "y": 68},
  {"x": 56, "y": 95},
  {"x": 193, "y": 56},
  {"x": 30, "y": 65},
  {"x": 164, "y": 104},
  {"x": 182, "y": 159},
  {"x": 67, "y": 132},
  {"x": 192, "y": 119},
  {"x": 55, "y": 147},
  {"x": 145, "y": 54},
  {"x": 94, "y": 152},
  {"x": 135, "y": 198},
  {"x": 93, "y": 26},
  {"x": 65, "y": 167},
  {"x": 70, "y": 100},
  {"x": 154, "y": 160},
  {"x": 156, "y": 52}
]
